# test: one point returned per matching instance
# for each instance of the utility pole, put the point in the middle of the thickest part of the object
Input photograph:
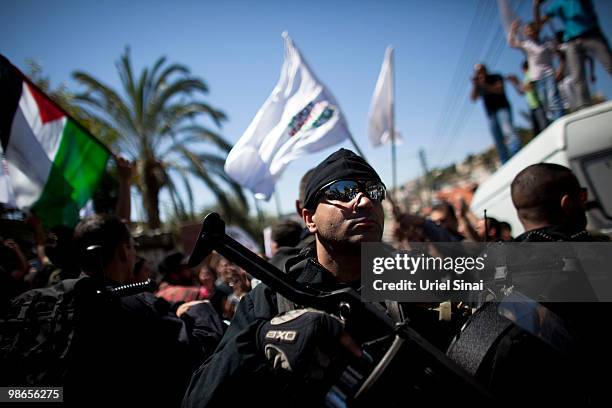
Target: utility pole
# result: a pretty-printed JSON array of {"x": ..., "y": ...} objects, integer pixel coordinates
[{"x": 426, "y": 175}]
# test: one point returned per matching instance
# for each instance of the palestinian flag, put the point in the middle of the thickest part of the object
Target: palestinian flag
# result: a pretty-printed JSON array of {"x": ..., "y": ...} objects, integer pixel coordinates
[{"x": 53, "y": 164}]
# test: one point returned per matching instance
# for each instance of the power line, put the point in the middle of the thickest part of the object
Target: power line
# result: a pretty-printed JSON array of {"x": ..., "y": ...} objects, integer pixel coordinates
[
  {"x": 496, "y": 47},
  {"x": 478, "y": 30},
  {"x": 453, "y": 84},
  {"x": 467, "y": 107}
]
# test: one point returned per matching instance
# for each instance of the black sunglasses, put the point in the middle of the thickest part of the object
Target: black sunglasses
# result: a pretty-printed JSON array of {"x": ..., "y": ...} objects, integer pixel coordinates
[{"x": 347, "y": 190}]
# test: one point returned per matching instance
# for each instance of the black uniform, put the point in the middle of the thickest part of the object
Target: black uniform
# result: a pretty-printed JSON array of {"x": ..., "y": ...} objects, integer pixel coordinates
[
  {"x": 101, "y": 348},
  {"x": 520, "y": 367},
  {"x": 238, "y": 373},
  {"x": 585, "y": 321}
]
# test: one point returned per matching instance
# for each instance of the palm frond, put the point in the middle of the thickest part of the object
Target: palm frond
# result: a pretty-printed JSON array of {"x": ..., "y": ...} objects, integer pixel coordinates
[
  {"x": 217, "y": 168},
  {"x": 206, "y": 135},
  {"x": 149, "y": 89},
  {"x": 177, "y": 203},
  {"x": 160, "y": 82},
  {"x": 184, "y": 175},
  {"x": 194, "y": 140},
  {"x": 198, "y": 169},
  {"x": 178, "y": 112},
  {"x": 124, "y": 67},
  {"x": 160, "y": 61},
  {"x": 163, "y": 96},
  {"x": 139, "y": 99},
  {"x": 105, "y": 100}
]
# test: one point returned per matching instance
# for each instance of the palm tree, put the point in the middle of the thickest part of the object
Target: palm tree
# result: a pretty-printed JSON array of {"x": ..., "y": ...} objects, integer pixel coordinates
[{"x": 155, "y": 124}]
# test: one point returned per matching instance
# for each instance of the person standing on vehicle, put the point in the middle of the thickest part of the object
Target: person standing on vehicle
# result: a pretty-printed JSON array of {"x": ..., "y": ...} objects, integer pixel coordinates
[{"x": 490, "y": 87}]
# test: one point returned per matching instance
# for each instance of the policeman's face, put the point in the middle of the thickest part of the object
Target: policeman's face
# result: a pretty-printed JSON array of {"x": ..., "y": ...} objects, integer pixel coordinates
[{"x": 337, "y": 222}]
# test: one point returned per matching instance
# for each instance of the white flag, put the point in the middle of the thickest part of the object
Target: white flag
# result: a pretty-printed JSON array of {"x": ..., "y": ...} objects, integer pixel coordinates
[
  {"x": 506, "y": 14},
  {"x": 300, "y": 116},
  {"x": 381, "y": 108}
]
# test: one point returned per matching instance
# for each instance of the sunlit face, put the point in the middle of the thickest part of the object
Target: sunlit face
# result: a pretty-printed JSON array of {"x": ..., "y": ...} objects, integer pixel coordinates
[
  {"x": 480, "y": 227},
  {"x": 480, "y": 71},
  {"x": 206, "y": 277},
  {"x": 360, "y": 220},
  {"x": 443, "y": 219},
  {"x": 530, "y": 32},
  {"x": 505, "y": 234}
]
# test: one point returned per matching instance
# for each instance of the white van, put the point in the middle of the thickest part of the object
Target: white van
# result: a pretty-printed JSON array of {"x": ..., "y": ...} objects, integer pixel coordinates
[{"x": 581, "y": 141}]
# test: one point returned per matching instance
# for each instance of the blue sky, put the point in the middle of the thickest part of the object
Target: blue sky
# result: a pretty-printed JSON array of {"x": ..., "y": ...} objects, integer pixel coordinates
[{"x": 236, "y": 46}]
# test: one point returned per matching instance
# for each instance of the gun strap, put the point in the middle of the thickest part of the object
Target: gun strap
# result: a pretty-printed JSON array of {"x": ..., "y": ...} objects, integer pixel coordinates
[
  {"x": 481, "y": 334},
  {"x": 284, "y": 304}
]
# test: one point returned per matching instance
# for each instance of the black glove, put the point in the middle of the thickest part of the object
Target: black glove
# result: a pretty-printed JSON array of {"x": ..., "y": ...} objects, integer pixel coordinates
[{"x": 301, "y": 341}]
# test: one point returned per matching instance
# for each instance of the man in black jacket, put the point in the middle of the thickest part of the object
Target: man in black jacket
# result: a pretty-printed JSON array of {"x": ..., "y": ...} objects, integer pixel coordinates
[
  {"x": 550, "y": 204},
  {"x": 342, "y": 208},
  {"x": 103, "y": 347}
]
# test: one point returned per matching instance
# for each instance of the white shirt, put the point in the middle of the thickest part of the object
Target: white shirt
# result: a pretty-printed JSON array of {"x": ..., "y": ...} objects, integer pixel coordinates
[{"x": 539, "y": 57}]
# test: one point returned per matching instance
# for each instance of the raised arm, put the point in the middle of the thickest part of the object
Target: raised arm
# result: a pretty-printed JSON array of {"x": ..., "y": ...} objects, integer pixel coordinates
[
  {"x": 467, "y": 220},
  {"x": 512, "y": 35},
  {"x": 520, "y": 88},
  {"x": 475, "y": 93},
  {"x": 537, "y": 16}
]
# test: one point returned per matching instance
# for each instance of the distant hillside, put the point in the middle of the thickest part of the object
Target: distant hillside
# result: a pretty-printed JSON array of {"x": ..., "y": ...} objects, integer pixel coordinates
[{"x": 453, "y": 182}]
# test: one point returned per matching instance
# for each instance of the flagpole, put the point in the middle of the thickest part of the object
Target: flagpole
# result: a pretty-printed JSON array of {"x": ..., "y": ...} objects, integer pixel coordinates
[
  {"x": 359, "y": 152},
  {"x": 279, "y": 212},
  {"x": 392, "y": 128},
  {"x": 260, "y": 217}
]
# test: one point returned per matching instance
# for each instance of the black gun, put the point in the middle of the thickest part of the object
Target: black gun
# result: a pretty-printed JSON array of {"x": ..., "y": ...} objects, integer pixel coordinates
[{"x": 345, "y": 303}]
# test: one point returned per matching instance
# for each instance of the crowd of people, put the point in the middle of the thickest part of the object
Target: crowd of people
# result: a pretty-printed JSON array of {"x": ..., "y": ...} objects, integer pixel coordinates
[
  {"x": 208, "y": 336},
  {"x": 551, "y": 88}
]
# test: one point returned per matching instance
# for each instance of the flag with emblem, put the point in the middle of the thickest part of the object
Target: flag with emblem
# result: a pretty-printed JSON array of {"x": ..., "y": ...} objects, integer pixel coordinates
[
  {"x": 53, "y": 164},
  {"x": 301, "y": 116}
]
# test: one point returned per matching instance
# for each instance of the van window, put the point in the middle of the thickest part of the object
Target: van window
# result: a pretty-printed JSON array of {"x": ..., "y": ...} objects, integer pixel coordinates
[{"x": 598, "y": 171}]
